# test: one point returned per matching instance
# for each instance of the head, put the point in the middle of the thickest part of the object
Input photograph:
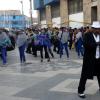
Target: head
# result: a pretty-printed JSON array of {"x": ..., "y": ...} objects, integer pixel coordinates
[
  {"x": 96, "y": 30},
  {"x": 96, "y": 27}
]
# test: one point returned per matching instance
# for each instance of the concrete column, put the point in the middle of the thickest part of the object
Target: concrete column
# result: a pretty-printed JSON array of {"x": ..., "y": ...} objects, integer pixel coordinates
[
  {"x": 87, "y": 11},
  {"x": 98, "y": 11},
  {"x": 64, "y": 12},
  {"x": 48, "y": 16}
]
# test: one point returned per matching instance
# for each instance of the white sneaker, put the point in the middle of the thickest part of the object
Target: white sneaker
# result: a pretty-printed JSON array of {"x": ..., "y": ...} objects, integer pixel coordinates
[{"x": 81, "y": 95}]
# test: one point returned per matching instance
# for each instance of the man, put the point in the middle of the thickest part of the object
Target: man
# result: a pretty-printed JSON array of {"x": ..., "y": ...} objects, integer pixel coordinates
[
  {"x": 63, "y": 36},
  {"x": 91, "y": 59}
]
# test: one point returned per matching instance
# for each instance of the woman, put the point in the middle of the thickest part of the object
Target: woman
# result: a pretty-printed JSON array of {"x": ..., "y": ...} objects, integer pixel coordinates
[
  {"x": 4, "y": 42},
  {"x": 44, "y": 45},
  {"x": 21, "y": 43}
]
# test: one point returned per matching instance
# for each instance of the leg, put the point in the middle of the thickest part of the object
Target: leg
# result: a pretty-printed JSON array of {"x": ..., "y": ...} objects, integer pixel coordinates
[
  {"x": 3, "y": 52},
  {"x": 41, "y": 53},
  {"x": 98, "y": 77},
  {"x": 82, "y": 83},
  {"x": 23, "y": 53},
  {"x": 20, "y": 53},
  {"x": 35, "y": 51},
  {"x": 46, "y": 53},
  {"x": 66, "y": 49},
  {"x": 50, "y": 51},
  {"x": 61, "y": 50}
]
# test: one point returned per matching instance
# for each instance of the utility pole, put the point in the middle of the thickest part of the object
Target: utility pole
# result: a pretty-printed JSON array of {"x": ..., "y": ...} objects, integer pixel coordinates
[
  {"x": 31, "y": 12},
  {"x": 23, "y": 21},
  {"x": 22, "y": 7}
]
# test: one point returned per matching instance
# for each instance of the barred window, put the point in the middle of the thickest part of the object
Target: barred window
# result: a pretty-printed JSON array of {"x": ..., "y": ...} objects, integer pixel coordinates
[{"x": 75, "y": 6}]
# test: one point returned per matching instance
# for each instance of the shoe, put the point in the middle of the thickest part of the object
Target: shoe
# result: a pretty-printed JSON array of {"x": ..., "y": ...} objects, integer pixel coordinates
[{"x": 81, "y": 95}]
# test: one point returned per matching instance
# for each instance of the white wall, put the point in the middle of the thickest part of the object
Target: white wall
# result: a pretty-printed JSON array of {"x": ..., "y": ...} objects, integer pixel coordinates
[
  {"x": 78, "y": 18},
  {"x": 43, "y": 24},
  {"x": 56, "y": 22}
]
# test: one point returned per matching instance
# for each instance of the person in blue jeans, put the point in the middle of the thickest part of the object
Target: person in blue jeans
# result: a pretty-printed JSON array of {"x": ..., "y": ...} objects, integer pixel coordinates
[
  {"x": 22, "y": 53},
  {"x": 4, "y": 55},
  {"x": 79, "y": 44},
  {"x": 63, "y": 37},
  {"x": 4, "y": 42},
  {"x": 21, "y": 43},
  {"x": 64, "y": 46}
]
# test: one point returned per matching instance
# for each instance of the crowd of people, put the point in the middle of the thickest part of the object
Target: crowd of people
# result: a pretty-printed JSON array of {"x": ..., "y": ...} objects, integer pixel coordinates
[
  {"x": 47, "y": 41},
  {"x": 55, "y": 40}
]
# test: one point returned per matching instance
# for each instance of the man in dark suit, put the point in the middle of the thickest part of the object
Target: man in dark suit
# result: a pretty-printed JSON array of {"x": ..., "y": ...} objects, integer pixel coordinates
[{"x": 91, "y": 59}]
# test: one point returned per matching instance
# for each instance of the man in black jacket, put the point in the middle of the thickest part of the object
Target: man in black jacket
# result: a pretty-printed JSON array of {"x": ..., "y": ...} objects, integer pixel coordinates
[{"x": 91, "y": 60}]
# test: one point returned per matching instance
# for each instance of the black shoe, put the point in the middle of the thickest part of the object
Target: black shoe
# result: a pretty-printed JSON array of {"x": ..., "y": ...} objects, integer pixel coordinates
[{"x": 82, "y": 95}]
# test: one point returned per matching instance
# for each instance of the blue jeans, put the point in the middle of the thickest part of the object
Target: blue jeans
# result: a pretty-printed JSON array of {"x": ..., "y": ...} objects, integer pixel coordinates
[
  {"x": 62, "y": 46},
  {"x": 22, "y": 53},
  {"x": 4, "y": 55},
  {"x": 80, "y": 49}
]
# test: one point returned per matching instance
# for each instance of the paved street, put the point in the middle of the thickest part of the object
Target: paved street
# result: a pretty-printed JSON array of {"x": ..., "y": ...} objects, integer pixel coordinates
[{"x": 55, "y": 80}]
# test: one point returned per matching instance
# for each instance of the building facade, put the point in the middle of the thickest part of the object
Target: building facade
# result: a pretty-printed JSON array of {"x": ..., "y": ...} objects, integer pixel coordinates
[
  {"x": 73, "y": 13},
  {"x": 12, "y": 19}
]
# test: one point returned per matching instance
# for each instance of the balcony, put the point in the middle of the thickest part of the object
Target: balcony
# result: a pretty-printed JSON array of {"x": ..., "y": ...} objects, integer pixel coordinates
[{"x": 50, "y": 2}]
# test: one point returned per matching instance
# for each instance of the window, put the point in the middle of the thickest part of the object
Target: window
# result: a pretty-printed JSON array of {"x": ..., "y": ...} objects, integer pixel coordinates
[
  {"x": 14, "y": 17},
  {"x": 14, "y": 22},
  {"x": 42, "y": 14},
  {"x": 75, "y": 6},
  {"x": 55, "y": 10},
  {"x": 41, "y": 2}
]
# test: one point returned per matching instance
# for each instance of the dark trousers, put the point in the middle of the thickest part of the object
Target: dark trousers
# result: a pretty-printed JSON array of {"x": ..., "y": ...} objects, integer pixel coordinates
[
  {"x": 22, "y": 53},
  {"x": 50, "y": 51},
  {"x": 46, "y": 52},
  {"x": 40, "y": 48},
  {"x": 29, "y": 48},
  {"x": 82, "y": 84}
]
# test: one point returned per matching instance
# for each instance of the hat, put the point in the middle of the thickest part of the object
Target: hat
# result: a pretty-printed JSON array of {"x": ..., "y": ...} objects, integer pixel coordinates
[{"x": 96, "y": 24}]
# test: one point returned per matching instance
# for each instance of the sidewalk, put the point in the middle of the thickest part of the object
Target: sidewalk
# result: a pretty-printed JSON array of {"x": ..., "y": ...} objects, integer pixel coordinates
[{"x": 57, "y": 80}]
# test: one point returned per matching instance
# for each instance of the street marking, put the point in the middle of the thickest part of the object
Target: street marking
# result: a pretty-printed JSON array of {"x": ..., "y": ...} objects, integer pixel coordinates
[{"x": 65, "y": 86}]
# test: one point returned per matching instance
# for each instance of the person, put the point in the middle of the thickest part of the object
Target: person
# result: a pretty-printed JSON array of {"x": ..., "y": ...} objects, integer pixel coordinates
[
  {"x": 64, "y": 36},
  {"x": 49, "y": 44},
  {"x": 79, "y": 43},
  {"x": 4, "y": 42},
  {"x": 44, "y": 43},
  {"x": 21, "y": 43},
  {"x": 70, "y": 39},
  {"x": 91, "y": 59}
]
